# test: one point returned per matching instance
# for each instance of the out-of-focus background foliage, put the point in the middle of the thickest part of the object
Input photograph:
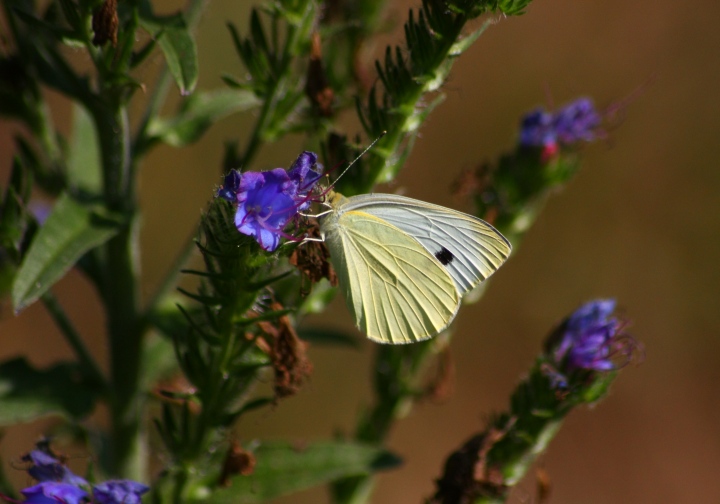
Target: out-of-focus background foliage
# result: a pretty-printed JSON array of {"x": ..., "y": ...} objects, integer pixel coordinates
[{"x": 641, "y": 222}]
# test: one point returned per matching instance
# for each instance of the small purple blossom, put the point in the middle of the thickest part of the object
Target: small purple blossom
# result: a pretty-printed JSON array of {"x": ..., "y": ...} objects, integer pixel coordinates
[
  {"x": 557, "y": 380},
  {"x": 51, "y": 492},
  {"x": 536, "y": 129},
  {"x": 305, "y": 171},
  {"x": 577, "y": 121},
  {"x": 58, "y": 485},
  {"x": 119, "y": 492},
  {"x": 47, "y": 468},
  {"x": 268, "y": 201},
  {"x": 591, "y": 339},
  {"x": 230, "y": 186}
]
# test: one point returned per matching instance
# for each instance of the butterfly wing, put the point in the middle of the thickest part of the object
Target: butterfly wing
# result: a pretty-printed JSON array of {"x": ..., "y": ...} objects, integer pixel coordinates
[
  {"x": 396, "y": 291},
  {"x": 469, "y": 248}
]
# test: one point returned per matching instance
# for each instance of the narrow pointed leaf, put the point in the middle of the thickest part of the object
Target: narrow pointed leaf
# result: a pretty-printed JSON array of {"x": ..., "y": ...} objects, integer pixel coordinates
[
  {"x": 177, "y": 44},
  {"x": 27, "y": 393},
  {"x": 319, "y": 336},
  {"x": 158, "y": 360},
  {"x": 180, "y": 52},
  {"x": 200, "y": 112},
  {"x": 283, "y": 469},
  {"x": 464, "y": 43},
  {"x": 71, "y": 230},
  {"x": 84, "y": 170}
]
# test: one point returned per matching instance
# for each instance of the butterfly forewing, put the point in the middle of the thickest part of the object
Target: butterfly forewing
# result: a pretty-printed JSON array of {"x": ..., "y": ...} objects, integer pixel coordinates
[
  {"x": 469, "y": 248},
  {"x": 397, "y": 292}
]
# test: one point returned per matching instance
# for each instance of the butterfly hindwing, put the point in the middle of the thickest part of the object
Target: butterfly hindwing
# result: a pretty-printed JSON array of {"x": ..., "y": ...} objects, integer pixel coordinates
[
  {"x": 469, "y": 248},
  {"x": 396, "y": 291}
]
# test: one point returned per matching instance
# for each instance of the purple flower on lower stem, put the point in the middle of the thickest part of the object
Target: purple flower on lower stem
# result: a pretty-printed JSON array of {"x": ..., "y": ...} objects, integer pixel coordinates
[
  {"x": 51, "y": 492},
  {"x": 47, "y": 468},
  {"x": 591, "y": 339},
  {"x": 119, "y": 492},
  {"x": 58, "y": 485},
  {"x": 268, "y": 201}
]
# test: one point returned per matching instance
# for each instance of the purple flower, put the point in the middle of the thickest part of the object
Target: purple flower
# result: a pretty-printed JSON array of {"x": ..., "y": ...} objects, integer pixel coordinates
[
  {"x": 305, "y": 171},
  {"x": 268, "y": 201},
  {"x": 536, "y": 129},
  {"x": 591, "y": 339},
  {"x": 50, "y": 492},
  {"x": 230, "y": 187},
  {"x": 47, "y": 468},
  {"x": 119, "y": 492},
  {"x": 557, "y": 380},
  {"x": 59, "y": 485},
  {"x": 577, "y": 121}
]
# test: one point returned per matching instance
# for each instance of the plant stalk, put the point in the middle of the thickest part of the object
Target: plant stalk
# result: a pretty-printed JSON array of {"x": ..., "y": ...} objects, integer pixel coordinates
[{"x": 74, "y": 340}]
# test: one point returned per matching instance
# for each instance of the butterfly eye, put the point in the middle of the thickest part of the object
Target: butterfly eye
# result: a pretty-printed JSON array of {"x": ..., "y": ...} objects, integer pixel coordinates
[{"x": 444, "y": 256}]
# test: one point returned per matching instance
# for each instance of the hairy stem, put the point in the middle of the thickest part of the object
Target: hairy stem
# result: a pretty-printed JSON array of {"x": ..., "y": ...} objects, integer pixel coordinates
[{"x": 120, "y": 290}]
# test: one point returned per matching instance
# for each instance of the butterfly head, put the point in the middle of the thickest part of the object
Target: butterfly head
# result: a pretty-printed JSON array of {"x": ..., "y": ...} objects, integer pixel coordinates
[{"x": 334, "y": 198}]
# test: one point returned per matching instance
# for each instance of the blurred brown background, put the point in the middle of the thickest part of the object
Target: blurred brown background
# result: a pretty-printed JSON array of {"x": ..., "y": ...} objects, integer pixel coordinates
[{"x": 641, "y": 223}]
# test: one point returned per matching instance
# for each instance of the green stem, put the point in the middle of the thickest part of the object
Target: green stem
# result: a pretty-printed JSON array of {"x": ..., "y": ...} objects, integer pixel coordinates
[
  {"x": 121, "y": 298},
  {"x": 396, "y": 370},
  {"x": 120, "y": 291},
  {"x": 399, "y": 365},
  {"x": 266, "y": 116},
  {"x": 269, "y": 103},
  {"x": 74, "y": 340},
  {"x": 7, "y": 488},
  {"x": 142, "y": 143},
  {"x": 407, "y": 120}
]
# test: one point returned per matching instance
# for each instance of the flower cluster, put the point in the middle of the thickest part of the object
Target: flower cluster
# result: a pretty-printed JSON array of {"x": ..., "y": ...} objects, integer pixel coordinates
[
  {"x": 57, "y": 484},
  {"x": 576, "y": 121},
  {"x": 591, "y": 339},
  {"x": 268, "y": 201}
]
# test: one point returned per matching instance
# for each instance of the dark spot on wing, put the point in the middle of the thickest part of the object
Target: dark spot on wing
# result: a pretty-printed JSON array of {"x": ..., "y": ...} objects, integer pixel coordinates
[{"x": 444, "y": 256}]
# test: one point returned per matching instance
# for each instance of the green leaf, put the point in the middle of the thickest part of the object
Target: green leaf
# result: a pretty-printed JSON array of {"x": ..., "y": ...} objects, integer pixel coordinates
[
  {"x": 318, "y": 336},
  {"x": 180, "y": 53},
  {"x": 254, "y": 404},
  {"x": 464, "y": 43},
  {"x": 27, "y": 393},
  {"x": 84, "y": 171},
  {"x": 198, "y": 113},
  {"x": 72, "y": 13},
  {"x": 320, "y": 296},
  {"x": 71, "y": 230},
  {"x": 12, "y": 210},
  {"x": 159, "y": 360},
  {"x": 176, "y": 43},
  {"x": 170, "y": 321},
  {"x": 283, "y": 468},
  {"x": 50, "y": 66},
  {"x": 38, "y": 26}
]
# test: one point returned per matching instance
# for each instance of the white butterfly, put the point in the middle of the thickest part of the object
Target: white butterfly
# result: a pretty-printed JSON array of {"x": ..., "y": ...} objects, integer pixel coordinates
[{"x": 404, "y": 265}]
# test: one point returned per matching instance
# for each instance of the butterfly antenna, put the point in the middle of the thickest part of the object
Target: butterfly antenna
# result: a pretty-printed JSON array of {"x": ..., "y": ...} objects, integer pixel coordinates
[{"x": 356, "y": 159}]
